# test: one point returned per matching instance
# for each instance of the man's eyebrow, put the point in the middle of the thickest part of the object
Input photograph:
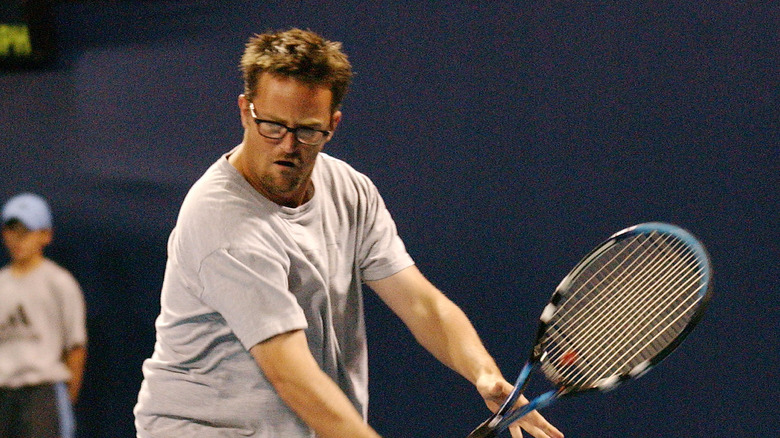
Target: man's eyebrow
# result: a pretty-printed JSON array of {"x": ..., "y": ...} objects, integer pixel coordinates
[{"x": 306, "y": 123}]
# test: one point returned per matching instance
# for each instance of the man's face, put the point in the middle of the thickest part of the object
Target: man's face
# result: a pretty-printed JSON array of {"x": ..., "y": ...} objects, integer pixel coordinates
[
  {"x": 280, "y": 169},
  {"x": 23, "y": 244}
]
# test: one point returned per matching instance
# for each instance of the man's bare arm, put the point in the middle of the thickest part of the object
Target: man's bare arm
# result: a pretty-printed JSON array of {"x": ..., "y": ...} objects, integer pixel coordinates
[
  {"x": 288, "y": 364},
  {"x": 75, "y": 358}
]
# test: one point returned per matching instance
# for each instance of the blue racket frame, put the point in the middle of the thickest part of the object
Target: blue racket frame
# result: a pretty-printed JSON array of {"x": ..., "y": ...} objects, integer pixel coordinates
[{"x": 505, "y": 416}]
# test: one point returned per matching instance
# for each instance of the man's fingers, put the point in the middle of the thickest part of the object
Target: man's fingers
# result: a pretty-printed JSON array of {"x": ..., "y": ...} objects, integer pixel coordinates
[
  {"x": 538, "y": 427},
  {"x": 516, "y": 431}
]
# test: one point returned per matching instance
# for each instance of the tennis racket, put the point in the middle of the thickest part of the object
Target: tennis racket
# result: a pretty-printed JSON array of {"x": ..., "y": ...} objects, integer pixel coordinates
[{"x": 621, "y": 310}]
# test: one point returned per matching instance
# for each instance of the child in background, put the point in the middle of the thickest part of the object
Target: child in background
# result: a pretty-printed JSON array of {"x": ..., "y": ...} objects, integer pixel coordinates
[{"x": 42, "y": 328}]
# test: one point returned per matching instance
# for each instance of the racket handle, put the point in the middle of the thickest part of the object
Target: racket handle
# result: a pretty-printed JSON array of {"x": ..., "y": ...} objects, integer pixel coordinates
[
  {"x": 492, "y": 426},
  {"x": 487, "y": 429},
  {"x": 483, "y": 431}
]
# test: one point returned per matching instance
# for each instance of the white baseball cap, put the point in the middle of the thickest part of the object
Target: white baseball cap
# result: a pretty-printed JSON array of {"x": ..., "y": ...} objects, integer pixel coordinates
[{"x": 29, "y": 209}]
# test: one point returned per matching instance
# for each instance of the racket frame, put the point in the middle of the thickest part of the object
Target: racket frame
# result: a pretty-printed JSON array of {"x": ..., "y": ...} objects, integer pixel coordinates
[{"x": 505, "y": 416}]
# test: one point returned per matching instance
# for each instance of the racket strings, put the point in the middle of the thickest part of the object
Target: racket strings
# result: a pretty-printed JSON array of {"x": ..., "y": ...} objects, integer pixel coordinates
[
  {"x": 611, "y": 290},
  {"x": 614, "y": 321},
  {"x": 611, "y": 354},
  {"x": 618, "y": 258},
  {"x": 631, "y": 292},
  {"x": 639, "y": 325},
  {"x": 623, "y": 317},
  {"x": 598, "y": 297},
  {"x": 648, "y": 337}
]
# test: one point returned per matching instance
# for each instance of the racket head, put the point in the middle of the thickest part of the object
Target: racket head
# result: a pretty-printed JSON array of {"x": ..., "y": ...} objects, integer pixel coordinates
[{"x": 623, "y": 308}]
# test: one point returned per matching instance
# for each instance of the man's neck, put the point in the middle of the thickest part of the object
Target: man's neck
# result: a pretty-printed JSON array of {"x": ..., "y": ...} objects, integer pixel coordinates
[{"x": 23, "y": 267}]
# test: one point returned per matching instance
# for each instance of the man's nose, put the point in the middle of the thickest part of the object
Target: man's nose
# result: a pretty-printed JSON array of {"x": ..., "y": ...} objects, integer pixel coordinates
[{"x": 289, "y": 143}]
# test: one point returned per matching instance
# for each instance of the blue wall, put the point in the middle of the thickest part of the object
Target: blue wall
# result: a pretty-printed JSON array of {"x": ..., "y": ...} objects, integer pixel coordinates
[{"x": 507, "y": 141}]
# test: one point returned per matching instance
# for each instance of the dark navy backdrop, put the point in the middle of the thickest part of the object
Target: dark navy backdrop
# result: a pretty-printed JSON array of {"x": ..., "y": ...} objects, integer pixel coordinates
[{"x": 507, "y": 139}]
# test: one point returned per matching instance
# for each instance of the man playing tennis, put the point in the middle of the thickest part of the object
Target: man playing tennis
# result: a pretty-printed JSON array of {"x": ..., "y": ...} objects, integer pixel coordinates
[{"x": 261, "y": 331}]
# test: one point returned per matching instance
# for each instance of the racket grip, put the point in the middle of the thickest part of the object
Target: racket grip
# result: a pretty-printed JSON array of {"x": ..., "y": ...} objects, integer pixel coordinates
[{"x": 483, "y": 431}]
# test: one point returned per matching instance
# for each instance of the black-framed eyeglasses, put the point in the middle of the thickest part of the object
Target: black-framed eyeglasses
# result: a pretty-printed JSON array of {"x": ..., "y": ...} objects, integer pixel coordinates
[{"x": 276, "y": 131}]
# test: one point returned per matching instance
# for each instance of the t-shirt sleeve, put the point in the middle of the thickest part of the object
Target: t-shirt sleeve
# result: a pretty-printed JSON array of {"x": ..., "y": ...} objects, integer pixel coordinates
[
  {"x": 248, "y": 287},
  {"x": 73, "y": 311},
  {"x": 381, "y": 252}
]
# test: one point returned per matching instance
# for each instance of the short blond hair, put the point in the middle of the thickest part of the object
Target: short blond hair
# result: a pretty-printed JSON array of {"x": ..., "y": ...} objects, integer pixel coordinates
[{"x": 300, "y": 54}]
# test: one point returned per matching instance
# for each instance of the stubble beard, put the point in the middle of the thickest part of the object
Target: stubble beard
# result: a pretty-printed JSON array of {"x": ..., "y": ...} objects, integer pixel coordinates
[{"x": 287, "y": 182}]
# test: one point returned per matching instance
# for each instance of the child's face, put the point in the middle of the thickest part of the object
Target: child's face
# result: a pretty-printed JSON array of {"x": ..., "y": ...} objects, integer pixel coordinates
[{"x": 23, "y": 244}]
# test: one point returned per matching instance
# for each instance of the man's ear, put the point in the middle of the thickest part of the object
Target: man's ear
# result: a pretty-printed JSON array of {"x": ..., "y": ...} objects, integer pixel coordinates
[
  {"x": 335, "y": 119},
  {"x": 243, "y": 107},
  {"x": 46, "y": 237}
]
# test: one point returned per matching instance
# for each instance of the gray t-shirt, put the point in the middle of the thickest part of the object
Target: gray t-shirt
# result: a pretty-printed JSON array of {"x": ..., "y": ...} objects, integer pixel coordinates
[
  {"x": 42, "y": 315},
  {"x": 242, "y": 269}
]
